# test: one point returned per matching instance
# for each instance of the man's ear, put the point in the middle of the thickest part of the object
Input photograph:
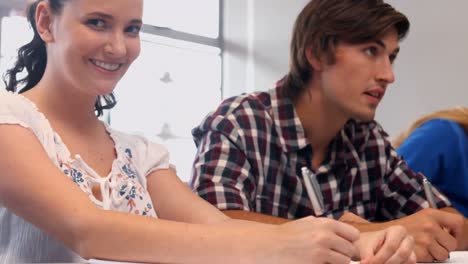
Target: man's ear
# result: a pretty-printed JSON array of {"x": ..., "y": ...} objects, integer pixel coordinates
[
  {"x": 313, "y": 60},
  {"x": 44, "y": 18}
]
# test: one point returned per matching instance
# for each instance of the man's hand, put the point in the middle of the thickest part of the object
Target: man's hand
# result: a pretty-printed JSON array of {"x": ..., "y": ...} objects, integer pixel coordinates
[
  {"x": 314, "y": 240},
  {"x": 390, "y": 246},
  {"x": 435, "y": 233},
  {"x": 463, "y": 239}
]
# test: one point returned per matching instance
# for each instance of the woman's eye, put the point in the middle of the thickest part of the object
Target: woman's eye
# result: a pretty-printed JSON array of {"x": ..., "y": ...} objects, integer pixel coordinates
[
  {"x": 97, "y": 23},
  {"x": 133, "y": 29}
]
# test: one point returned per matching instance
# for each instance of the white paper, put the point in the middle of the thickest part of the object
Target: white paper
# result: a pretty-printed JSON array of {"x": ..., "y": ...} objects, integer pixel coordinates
[
  {"x": 100, "y": 261},
  {"x": 456, "y": 257}
]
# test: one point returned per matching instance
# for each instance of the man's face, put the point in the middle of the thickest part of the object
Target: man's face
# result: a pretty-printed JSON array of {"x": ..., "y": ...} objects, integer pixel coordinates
[{"x": 354, "y": 86}]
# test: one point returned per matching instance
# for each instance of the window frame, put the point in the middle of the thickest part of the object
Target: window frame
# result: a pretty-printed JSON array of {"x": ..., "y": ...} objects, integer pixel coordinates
[
  {"x": 191, "y": 38},
  {"x": 176, "y": 35}
]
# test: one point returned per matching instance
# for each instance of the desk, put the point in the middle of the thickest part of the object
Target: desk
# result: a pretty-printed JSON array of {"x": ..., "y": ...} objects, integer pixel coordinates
[{"x": 457, "y": 257}]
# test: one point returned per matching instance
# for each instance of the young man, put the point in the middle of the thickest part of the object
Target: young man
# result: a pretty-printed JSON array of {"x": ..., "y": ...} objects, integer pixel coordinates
[{"x": 310, "y": 145}]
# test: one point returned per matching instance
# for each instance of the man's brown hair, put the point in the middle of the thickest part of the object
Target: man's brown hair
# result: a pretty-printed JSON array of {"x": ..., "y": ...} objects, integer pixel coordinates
[{"x": 324, "y": 23}]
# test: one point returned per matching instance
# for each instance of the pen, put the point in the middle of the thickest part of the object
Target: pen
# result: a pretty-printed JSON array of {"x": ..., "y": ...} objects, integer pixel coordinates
[
  {"x": 428, "y": 192},
  {"x": 431, "y": 199},
  {"x": 314, "y": 192}
]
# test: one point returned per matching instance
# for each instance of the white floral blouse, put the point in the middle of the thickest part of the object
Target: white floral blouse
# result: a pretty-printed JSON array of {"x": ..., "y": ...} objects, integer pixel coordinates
[{"x": 125, "y": 185}]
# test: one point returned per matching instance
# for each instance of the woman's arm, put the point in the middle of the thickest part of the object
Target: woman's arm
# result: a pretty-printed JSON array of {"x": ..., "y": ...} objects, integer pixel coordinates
[
  {"x": 36, "y": 190},
  {"x": 179, "y": 203}
]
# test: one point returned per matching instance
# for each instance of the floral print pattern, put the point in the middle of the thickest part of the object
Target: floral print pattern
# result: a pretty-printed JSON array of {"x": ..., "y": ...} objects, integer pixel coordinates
[
  {"x": 76, "y": 175},
  {"x": 125, "y": 192},
  {"x": 130, "y": 173}
]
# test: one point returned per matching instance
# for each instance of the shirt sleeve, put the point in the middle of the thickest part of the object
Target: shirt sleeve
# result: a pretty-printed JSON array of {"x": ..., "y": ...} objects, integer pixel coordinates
[
  {"x": 17, "y": 110},
  {"x": 151, "y": 156},
  {"x": 11, "y": 110},
  {"x": 146, "y": 155},
  {"x": 221, "y": 171},
  {"x": 402, "y": 188}
]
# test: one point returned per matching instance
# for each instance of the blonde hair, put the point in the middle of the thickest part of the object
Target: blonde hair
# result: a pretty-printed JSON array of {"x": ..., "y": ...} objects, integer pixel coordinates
[{"x": 458, "y": 114}]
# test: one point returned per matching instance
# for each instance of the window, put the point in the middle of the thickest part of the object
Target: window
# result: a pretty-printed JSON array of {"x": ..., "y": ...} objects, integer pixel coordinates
[
  {"x": 174, "y": 83},
  {"x": 200, "y": 17},
  {"x": 12, "y": 26},
  {"x": 167, "y": 92},
  {"x": 176, "y": 80}
]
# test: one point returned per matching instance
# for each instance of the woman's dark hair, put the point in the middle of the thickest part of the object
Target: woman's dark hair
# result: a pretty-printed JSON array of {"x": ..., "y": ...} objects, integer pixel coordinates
[
  {"x": 33, "y": 58},
  {"x": 322, "y": 24}
]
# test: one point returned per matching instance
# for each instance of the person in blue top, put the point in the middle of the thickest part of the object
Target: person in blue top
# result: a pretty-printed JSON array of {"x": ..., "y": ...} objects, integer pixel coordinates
[{"x": 437, "y": 146}]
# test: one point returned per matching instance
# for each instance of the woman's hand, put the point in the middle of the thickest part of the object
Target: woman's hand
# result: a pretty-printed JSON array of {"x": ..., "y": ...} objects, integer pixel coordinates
[{"x": 392, "y": 245}]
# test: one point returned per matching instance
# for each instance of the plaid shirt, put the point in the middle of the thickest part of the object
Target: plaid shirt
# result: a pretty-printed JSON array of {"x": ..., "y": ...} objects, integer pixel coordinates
[{"x": 252, "y": 148}]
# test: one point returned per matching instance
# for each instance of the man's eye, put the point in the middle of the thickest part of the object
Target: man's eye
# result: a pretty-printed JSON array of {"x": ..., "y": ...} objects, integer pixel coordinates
[
  {"x": 371, "y": 51},
  {"x": 392, "y": 58}
]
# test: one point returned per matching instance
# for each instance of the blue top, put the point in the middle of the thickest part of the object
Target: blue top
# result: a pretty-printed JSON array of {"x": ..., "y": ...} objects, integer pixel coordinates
[{"x": 439, "y": 150}]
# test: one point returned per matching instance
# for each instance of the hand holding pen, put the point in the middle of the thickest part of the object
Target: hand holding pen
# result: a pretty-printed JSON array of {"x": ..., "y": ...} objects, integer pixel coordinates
[
  {"x": 429, "y": 194},
  {"x": 428, "y": 228}
]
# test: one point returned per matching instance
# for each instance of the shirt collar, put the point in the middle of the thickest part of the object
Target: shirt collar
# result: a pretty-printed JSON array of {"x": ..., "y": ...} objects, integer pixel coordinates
[
  {"x": 287, "y": 122},
  {"x": 351, "y": 142},
  {"x": 352, "y": 138}
]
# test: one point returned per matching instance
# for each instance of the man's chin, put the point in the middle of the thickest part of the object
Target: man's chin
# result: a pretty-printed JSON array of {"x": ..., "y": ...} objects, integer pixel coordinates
[{"x": 364, "y": 117}]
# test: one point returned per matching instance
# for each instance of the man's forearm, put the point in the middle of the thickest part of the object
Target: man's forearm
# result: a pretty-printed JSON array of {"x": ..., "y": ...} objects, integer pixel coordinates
[
  {"x": 360, "y": 223},
  {"x": 256, "y": 217},
  {"x": 370, "y": 226}
]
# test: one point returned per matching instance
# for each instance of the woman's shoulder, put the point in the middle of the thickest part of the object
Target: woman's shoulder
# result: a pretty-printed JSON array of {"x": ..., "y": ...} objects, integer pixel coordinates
[
  {"x": 136, "y": 142},
  {"x": 440, "y": 129},
  {"x": 146, "y": 154},
  {"x": 436, "y": 134},
  {"x": 8, "y": 98},
  {"x": 14, "y": 106},
  {"x": 443, "y": 125}
]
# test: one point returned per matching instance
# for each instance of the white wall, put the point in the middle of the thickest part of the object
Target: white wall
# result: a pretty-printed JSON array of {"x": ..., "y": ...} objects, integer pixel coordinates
[
  {"x": 430, "y": 69},
  {"x": 433, "y": 63},
  {"x": 257, "y": 34}
]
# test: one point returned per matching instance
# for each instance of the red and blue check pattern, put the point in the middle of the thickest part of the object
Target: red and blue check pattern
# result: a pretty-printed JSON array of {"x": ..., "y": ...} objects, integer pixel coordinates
[{"x": 252, "y": 148}]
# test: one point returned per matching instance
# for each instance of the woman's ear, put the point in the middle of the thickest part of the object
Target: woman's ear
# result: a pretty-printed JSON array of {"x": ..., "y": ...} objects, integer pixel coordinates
[
  {"x": 44, "y": 18},
  {"x": 313, "y": 60}
]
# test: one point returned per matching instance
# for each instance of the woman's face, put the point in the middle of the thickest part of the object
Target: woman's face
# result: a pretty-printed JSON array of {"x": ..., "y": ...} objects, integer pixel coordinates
[{"x": 92, "y": 43}]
